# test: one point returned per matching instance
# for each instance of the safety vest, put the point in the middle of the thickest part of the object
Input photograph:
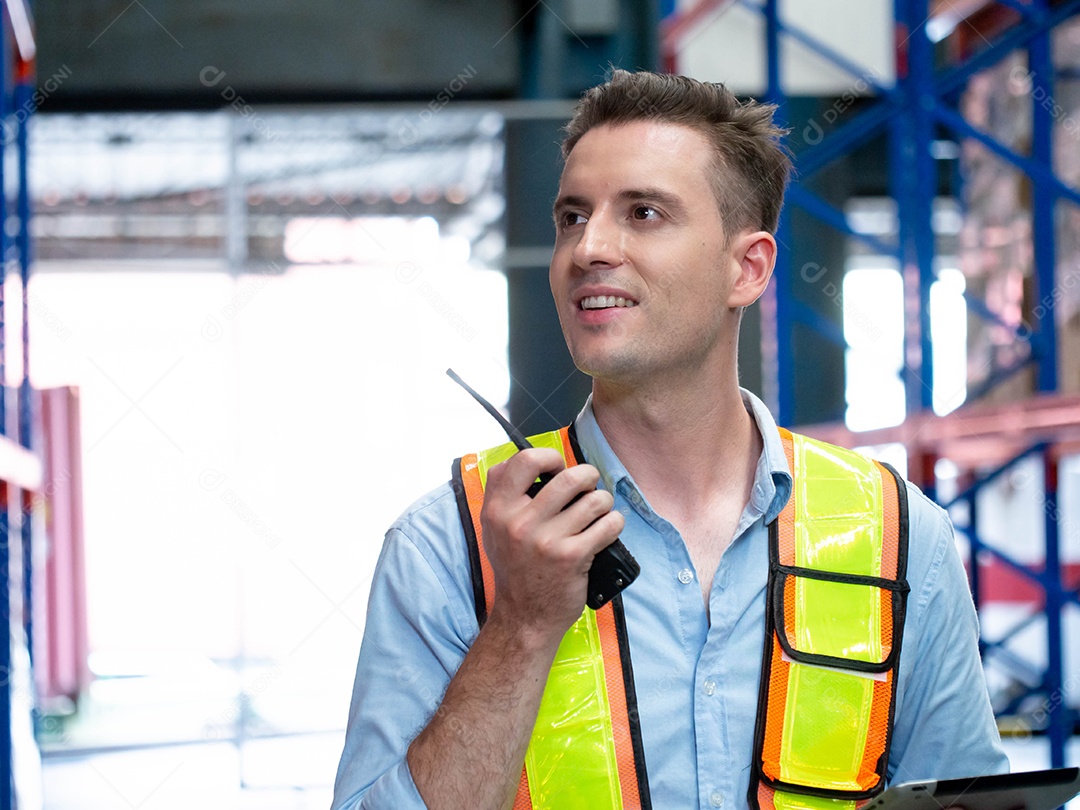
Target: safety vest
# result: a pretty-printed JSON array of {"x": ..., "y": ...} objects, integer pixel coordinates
[{"x": 837, "y": 562}]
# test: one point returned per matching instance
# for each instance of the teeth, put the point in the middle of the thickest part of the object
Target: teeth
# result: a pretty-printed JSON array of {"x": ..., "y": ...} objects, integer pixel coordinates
[{"x": 605, "y": 302}]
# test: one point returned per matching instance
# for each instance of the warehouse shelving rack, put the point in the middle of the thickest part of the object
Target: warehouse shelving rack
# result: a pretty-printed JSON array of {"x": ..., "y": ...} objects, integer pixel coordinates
[
  {"x": 22, "y": 471},
  {"x": 987, "y": 442}
]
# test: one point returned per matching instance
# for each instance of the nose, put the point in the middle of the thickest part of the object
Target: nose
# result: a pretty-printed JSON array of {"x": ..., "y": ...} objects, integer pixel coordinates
[{"x": 600, "y": 244}]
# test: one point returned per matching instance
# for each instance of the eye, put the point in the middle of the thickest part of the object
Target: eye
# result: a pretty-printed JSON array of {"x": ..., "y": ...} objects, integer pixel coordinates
[
  {"x": 645, "y": 212},
  {"x": 568, "y": 219}
]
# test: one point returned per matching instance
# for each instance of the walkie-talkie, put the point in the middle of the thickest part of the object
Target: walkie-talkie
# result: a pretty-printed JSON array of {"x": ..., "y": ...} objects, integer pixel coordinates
[{"x": 613, "y": 568}]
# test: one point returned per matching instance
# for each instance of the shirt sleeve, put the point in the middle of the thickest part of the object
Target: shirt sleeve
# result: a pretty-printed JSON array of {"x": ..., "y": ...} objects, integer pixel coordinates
[
  {"x": 415, "y": 637},
  {"x": 944, "y": 724}
]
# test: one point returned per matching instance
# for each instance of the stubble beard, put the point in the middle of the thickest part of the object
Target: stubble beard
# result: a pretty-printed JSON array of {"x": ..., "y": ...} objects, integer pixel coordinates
[{"x": 619, "y": 364}]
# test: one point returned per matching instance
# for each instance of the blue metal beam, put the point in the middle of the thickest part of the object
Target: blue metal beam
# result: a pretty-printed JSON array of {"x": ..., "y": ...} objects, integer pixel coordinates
[
  {"x": 826, "y": 52},
  {"x": 824, "y": 149},
  {"x": 921, "y": 91},
  {"x": 902, "y": 189},
  {"x": 783, "y": 364},
  {"x": 998, "y": 375},
  {"x": 1044, "y": 242},
  {"x": 912, "y": 176},
  {"x": 1019, "y": 627},
  {"x": 953, "y": 79},
  {"x": 1058, "y": 730},
  {"x": 980, "y": 308},
  {"x": 1037, "y": 171},
  {"x": 1024, "y": 570},
  {"x": 24, "y": 99},
  {"x": 993, "y": 475},
  {"x": 815, "y": 206},
  {"x": 1043, "y": 227},
  {"x": 1030, "y": 674},
  {"x": 772, "y": 51},
  {"x": 6, "y": 759},
  {"x": 976, "y": 551},
  {"x": 823, "y": 326}
]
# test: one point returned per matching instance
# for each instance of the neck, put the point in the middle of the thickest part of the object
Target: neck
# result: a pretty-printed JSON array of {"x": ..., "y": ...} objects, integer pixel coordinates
[{"x": 681, "y": 444}]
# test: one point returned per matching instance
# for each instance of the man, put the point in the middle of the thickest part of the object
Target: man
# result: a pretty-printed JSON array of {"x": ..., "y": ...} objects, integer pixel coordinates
[{"x": 665, "y": 217}]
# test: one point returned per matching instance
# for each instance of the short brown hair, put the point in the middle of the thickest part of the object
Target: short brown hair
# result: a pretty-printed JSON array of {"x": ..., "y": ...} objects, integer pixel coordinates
[{"x": 752, "y": 165}]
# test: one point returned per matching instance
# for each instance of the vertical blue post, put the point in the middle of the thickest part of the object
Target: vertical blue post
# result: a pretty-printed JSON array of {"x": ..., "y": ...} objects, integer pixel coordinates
[
  {"x": 785, "y": 351},
  {"x": 921, "y": 75},
  {"x": 24, "y": 100},
  {"x": 1058, "y": 729},
  {"x": 6, "y": 761},
  {"x": 6, "y": 774},
  {"x": 914, "y": 184},
  {"x": 902, "y": 188},
  {"x": 976, "y": 547},
  {"x": 784, "y": 367},
  {"x": 775, "y": 89},
  {"x": 1041, "y": 68}
]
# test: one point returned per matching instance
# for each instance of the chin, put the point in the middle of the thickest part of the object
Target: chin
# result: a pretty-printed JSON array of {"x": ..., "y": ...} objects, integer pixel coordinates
[{"x": 609, "y": 367}]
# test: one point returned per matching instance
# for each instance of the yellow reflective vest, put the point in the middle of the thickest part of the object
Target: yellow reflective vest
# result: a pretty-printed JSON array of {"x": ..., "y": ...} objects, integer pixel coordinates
[{"x": 836, "y": 591}]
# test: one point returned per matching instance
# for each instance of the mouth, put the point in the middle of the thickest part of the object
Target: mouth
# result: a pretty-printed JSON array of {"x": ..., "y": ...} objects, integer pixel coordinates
[{"x": 606, "y": 302}]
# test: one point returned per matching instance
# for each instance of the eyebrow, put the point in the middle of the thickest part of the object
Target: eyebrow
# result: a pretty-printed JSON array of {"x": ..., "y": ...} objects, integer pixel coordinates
[{"x": 648, "y": 194}]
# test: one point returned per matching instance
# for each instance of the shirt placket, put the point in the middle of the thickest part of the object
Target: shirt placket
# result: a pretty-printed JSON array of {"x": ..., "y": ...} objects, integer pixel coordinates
[
  {"x": 714, "y": 761},
  {"x": 727, "y": 602}
]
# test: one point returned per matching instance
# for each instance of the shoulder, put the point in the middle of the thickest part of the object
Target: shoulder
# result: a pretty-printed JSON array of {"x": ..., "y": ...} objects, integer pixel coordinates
[
  {"x": 931, "y": 549},
  {"x": 927, "y": 521},
  {"x": 432, "y": 524},
  {"x": 429, "y": 534},
  {"x": 432, "y": 511}
]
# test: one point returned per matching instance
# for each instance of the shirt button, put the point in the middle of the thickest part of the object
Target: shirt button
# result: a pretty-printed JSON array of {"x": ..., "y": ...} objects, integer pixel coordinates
[
  {"x": 686, "y": 576},
  {"x": 710, "y": 687},
  {"x": 716, "y": 799}
]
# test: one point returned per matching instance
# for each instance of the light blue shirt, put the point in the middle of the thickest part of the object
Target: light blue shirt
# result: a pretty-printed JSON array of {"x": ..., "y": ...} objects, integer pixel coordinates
[{"x": 696, "y": 675}]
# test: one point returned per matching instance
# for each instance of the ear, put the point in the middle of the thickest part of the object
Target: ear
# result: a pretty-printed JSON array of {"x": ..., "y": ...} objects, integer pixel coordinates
[{"x": 754, "y": 253}]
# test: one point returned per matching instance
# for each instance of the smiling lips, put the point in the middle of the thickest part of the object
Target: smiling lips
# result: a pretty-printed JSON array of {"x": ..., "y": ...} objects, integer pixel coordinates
[{"x": 606, "y": 302}]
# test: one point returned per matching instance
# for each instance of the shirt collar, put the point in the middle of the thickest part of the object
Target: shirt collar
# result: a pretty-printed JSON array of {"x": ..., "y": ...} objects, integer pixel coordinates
[{"x": 772, "y": 479}]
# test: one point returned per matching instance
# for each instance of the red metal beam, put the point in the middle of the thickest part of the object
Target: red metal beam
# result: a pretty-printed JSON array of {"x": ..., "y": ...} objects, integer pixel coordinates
[
  {"x": 981, "y": 27},
  {"x": 975, "y": 436}
]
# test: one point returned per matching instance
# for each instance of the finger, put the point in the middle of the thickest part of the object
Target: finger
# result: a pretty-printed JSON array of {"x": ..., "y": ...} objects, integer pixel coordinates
[
  {"x": 560, "y": 491},
  {"x": 584, "y": 546},
  {"x": 585, "y": 528},
  {"x": 583, "y": 508},
  {"x": 513, "y": 477},
  {"x": 602, "y": 533}
]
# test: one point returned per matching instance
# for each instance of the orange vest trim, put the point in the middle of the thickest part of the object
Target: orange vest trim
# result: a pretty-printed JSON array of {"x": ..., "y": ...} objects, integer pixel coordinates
[{"x": 611, "y": 622}]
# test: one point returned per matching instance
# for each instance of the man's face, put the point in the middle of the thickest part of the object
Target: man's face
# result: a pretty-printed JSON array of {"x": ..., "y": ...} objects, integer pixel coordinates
[{"x": 641, "y": 275}]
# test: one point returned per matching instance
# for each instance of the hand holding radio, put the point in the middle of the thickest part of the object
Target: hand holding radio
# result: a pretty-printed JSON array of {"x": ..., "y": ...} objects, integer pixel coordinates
[{"x": 613, "y": 567}]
